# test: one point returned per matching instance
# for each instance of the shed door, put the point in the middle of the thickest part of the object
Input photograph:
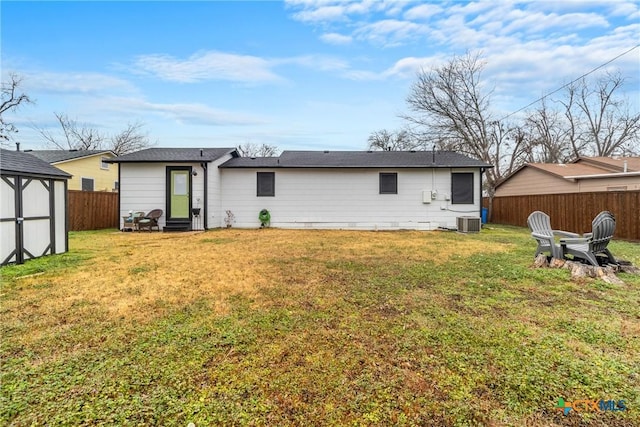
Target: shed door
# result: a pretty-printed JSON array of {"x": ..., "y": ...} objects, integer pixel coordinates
[
  {"x": 179, "y": 193},
  {"x": 27, "y": 218}
]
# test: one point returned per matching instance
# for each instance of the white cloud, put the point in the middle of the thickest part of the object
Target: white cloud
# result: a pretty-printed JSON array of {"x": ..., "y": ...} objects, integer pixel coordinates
[
  {"x": 322, "y": 13},
  {"x": 207, "y": 66},
  {"x": 191, "y": 113},
  {"x": 74, "y": 83},
  {"x": 336, "y": 39},
  {"x": 538, "y": 22},
  {"x": 390, "y": 32},
  {"x": 423, "y": 11}
]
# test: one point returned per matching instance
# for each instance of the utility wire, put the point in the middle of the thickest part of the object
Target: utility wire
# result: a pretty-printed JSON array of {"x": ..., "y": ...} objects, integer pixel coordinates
[{"x": 570, "y": 83}]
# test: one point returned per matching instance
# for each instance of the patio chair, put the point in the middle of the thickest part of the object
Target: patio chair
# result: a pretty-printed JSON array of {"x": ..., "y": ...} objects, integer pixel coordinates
[
  {"x": 540, "y": 226},
  {"x": 131, "y": 221},
  {"x": 593, "y": 246},
  {"x": 150, "y": 220}
]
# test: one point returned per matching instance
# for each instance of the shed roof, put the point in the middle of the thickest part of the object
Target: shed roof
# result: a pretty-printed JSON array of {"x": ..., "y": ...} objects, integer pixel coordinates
[
  {"x": 21, "y": 163},
  {"x": 358, "y": 159},
  {"x": 56, "y": 156},
  {"x": 186, "y": 155}
]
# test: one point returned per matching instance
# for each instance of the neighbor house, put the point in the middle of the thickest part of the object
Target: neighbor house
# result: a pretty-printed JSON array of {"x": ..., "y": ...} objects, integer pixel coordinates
[
  {"x": 33, "y": 211},
  {"x": 586, "y": 174},
  {"x": 89, "y": 168},
  {"x": 196, "y": 188}
]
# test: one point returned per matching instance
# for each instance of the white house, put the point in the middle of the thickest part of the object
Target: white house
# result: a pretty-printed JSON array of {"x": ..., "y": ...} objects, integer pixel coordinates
[
  {"x": 420, "y": 190},
  {"x": 33, "y": 208}
]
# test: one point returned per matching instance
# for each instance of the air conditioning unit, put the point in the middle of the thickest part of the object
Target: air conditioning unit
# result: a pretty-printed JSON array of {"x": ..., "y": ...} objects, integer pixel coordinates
[{"x": 468, "y": 224}]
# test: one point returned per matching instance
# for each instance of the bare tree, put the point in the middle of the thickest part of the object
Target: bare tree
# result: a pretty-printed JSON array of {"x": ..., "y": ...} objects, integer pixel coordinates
[
  {"x": 251, "y": 149},
  {"x": 401, "y": 140},
  {"x": 131, "y": 139},
  {"x": 451, "y": 108},
  {"x": 550, "y": 140},
  {"x": 11, "y": 99},
  {"x": 75, "y": 136},
  {"x": 600, "y": 119}
]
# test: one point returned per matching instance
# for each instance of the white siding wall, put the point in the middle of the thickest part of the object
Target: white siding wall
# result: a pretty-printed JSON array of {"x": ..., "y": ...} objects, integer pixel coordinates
[
  {"x": 345, "y": 198},
  {"x": 214, "y": 217},
  {"x": 36, "y": 232},
  {"x": 7, "y": 228},
  {"x": 143, "y": 188},
  {"x": 60, "y": 210}
]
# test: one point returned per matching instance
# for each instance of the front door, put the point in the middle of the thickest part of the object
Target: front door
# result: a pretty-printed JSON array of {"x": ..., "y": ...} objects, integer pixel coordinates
[{"x": 179, "y": 194}]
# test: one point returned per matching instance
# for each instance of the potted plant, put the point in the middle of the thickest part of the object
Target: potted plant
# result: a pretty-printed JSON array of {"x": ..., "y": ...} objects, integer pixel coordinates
[{"x": 229, "y": 219}]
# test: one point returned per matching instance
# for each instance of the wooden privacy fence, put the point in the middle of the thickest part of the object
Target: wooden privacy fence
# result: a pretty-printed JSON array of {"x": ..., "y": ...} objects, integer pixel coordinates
[
  {"x": 574, "y": 211},
  {"x": 92, "y": 210}
]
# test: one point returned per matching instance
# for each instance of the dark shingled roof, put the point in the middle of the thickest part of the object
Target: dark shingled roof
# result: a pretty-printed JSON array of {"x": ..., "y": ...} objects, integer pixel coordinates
[
  {"x": 358, "y": 159},
  {"x": 55, "y": 156},
  {"x": 21, "y": 163},
  {"x": 151, "y": 155}
]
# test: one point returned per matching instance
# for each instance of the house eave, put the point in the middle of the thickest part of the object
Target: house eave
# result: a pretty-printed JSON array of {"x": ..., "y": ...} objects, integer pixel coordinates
[{"x": 604, "y": 175}]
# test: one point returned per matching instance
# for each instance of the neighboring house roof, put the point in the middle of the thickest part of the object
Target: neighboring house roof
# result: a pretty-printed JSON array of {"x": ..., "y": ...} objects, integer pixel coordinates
[
  {"x": 358, "y": 159},
  {"x": 585, "y": 168},
  {"x": 613, "y": 164},
  {"x": 563, "y": 170},
  {"x": 19, "y": 162},
  {"x": 58, "y": 156},
  {"x": 152, "y": 155}
]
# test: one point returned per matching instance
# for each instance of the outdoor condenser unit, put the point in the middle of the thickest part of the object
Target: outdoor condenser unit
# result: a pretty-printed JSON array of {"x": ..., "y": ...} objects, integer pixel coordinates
[{"x": 468, "y": 224}]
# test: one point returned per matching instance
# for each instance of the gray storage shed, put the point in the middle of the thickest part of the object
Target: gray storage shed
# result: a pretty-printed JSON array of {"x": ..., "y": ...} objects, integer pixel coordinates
[{"x": 33, "y": 208}]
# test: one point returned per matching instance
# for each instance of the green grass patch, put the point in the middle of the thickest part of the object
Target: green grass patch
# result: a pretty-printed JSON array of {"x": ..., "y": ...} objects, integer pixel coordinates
[{"x": 283, "y": 327}]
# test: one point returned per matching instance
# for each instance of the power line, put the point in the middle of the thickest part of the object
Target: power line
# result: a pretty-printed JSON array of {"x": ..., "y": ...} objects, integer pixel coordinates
[{"x": 570, "y": 83}]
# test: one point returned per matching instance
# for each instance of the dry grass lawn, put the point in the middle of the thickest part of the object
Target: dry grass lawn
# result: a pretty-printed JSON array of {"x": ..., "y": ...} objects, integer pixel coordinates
[{"x": 293, "y": 327}]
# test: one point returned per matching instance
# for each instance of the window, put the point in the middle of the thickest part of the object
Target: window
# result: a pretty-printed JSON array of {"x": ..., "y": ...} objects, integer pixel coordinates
[
  {"x": 266, "y": 184},
  {"x": 462, "y": 188},
  {"x": 103, "y": 163},
  {"x": 388, "y": 183},
  {"x": 87, "y": 184}
]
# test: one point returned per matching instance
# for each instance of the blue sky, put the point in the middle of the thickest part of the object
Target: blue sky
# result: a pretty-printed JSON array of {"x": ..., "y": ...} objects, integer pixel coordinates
[{"x": 300, "y": 74}]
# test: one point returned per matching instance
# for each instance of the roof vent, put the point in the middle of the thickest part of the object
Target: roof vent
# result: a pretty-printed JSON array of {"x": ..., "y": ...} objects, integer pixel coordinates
[
  {"x": 201, "y": 152},
  {"x": 326, "y": 151}
]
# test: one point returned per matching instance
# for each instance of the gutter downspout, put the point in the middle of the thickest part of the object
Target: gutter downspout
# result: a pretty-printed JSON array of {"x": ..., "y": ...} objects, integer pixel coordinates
[
  {"x": 206, "y": 195},
  {"x": 480, "y": 193},
  {"x": 119, "y": 192}
]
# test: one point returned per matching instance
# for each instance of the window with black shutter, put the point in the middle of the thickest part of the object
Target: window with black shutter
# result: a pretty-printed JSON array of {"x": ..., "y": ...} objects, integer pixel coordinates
[
  {"x": 388, "y": 183},
  {"x": 462, "y": 188},
  {"x": 266, "y": 184}
]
